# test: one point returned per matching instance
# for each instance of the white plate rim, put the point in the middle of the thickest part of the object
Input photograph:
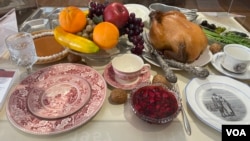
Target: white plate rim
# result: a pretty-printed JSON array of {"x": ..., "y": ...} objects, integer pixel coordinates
[
  {"x": 191, "y": 97},
  {"x": 139, "y": 6},
  {"x": 205, "y": 55},
  {"x": 206, "y": 52}
]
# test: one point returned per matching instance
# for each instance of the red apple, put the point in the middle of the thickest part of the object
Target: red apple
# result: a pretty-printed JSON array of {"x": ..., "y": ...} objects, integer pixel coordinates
[{"x": 116, "y": 13}]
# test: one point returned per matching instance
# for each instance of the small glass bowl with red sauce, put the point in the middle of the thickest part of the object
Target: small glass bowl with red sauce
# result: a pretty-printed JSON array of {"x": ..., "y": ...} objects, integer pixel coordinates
[{"x": 155, "y": 103}]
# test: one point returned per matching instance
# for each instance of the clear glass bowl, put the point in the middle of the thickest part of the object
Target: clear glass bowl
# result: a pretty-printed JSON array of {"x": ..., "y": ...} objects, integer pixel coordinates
[
  {"x": 155, "y": 103},
  {"x": 104, "y": 56}
]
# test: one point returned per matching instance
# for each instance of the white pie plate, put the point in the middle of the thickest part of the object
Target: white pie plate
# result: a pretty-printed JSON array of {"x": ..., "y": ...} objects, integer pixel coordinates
[{"x": 199, "y": 94}]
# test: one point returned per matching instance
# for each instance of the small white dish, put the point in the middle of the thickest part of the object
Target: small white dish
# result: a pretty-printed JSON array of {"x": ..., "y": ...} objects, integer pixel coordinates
[
  {"x": 219, "y": 100},
  {"x": 140, "y": 11},
  {"x": 109, "y": 76},
  {"x": 216, "y": 62}
]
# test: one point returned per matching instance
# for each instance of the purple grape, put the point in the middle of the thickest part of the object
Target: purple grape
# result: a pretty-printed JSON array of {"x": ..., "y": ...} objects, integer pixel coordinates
[
  {"x": 132, "y": 15},
  {"x": 131, "y": 26},
  {"x": 92, "y": 4},
  {"x": 131, "y": 33},
  {"x": 138, "y": 21},
  {"x": 96, "y": 9},
  {"x": 133, "y": 29},
  {"x": 136, "y": 51}
]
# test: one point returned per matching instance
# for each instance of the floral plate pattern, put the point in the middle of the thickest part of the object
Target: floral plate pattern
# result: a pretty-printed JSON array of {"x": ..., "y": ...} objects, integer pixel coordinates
[
  {"x": 109, "y": 76},
  {"x": 58, "y": 96},
  {"x": 20, "y": 116}
]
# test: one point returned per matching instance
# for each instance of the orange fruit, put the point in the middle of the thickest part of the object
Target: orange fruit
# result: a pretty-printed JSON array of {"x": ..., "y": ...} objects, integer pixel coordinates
[
  {"x": 106, "y": 35},
  {"x": 72, "y": 19}
]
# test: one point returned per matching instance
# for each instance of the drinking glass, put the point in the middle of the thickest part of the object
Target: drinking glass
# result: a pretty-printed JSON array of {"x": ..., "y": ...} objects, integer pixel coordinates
[{"x": 22, "y": 50}]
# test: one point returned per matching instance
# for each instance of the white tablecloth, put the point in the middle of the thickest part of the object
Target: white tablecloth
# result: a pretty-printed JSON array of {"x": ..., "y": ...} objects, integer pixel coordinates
[{"x": 117, "y": 122}]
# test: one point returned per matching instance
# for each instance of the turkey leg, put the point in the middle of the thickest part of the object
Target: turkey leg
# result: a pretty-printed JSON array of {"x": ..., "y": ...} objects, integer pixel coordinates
[{"x": 180, "y": 56}]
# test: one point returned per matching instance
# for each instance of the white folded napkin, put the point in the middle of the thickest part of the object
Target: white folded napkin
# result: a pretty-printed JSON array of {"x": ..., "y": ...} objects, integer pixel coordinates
[{"x": 8, "y": 26}]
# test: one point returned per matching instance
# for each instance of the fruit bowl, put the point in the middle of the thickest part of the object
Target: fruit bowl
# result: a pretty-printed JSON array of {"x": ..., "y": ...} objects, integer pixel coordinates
[
  {"x": 101, "y": 32},
  {"x": 155, "y": 103},
  {"x": 104, "y": 56}
]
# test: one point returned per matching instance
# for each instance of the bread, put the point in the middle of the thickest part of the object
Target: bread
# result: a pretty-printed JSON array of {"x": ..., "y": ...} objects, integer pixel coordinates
[
  {"x": 118, "y": 96},
  {"x": 161, "y": 79}
]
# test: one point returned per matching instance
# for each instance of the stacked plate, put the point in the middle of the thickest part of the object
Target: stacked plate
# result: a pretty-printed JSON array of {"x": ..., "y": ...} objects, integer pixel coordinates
[{"x": 56, "y": 99}]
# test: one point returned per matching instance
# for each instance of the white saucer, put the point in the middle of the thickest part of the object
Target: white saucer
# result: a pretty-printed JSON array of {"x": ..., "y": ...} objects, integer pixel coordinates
[
  {"x": 216, "y": 62},
  {"x": 109, "y": 76}
]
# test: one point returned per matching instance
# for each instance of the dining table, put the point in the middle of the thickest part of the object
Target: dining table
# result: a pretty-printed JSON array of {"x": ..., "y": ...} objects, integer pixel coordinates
[{"x": 115, "y": 122}]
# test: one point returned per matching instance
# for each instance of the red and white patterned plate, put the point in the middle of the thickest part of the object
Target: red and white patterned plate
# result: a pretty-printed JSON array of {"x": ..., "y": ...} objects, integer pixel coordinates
[
  {"x": 58, "y": 96},
  {"x": 18, "y": 112},
  {"x": 109, "y": 76}
]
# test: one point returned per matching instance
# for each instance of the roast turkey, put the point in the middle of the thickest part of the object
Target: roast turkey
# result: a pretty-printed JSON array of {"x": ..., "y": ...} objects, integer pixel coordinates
[{"x": 177, "y": 37}]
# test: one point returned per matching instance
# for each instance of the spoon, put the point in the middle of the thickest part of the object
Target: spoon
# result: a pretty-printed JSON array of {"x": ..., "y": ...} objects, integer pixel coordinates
[
  {"x": 184, "y": 116},
  {"x": 185, "y": 121}
]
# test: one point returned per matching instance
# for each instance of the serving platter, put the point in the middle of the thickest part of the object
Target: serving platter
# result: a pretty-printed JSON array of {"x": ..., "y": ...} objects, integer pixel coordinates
[
  {"x": 18, "y": 113},
  {"x": 227, "y": 29},
  {"x": 203, "y": 60},
  {"x": 219, "y": 100}
]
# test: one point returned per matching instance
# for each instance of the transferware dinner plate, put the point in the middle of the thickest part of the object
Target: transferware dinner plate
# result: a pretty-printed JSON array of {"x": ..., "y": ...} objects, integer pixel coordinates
[
  {"x": 216, "y": 62},
  {"x": 219, "y": 100},
  {"x": 58, "y": 96},
  {"x": 109, "y": 76},
  {"x": 20, "y": 117}
]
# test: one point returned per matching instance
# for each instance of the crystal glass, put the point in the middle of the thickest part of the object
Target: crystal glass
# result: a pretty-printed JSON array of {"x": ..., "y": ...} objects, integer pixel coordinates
[{"x": 22, "y": 50}]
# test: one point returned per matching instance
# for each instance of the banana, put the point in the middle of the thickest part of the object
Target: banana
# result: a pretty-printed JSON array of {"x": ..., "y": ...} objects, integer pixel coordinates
[{"x": 74, "y": 42}]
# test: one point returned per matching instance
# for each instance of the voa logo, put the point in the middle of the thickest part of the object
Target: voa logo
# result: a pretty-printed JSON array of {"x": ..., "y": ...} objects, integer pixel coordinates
[{"x": 236, "y": 132}]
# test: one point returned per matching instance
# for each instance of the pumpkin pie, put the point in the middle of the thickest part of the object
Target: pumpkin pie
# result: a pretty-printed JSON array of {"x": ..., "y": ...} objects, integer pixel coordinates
[{"x": 47, "y": 48}]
